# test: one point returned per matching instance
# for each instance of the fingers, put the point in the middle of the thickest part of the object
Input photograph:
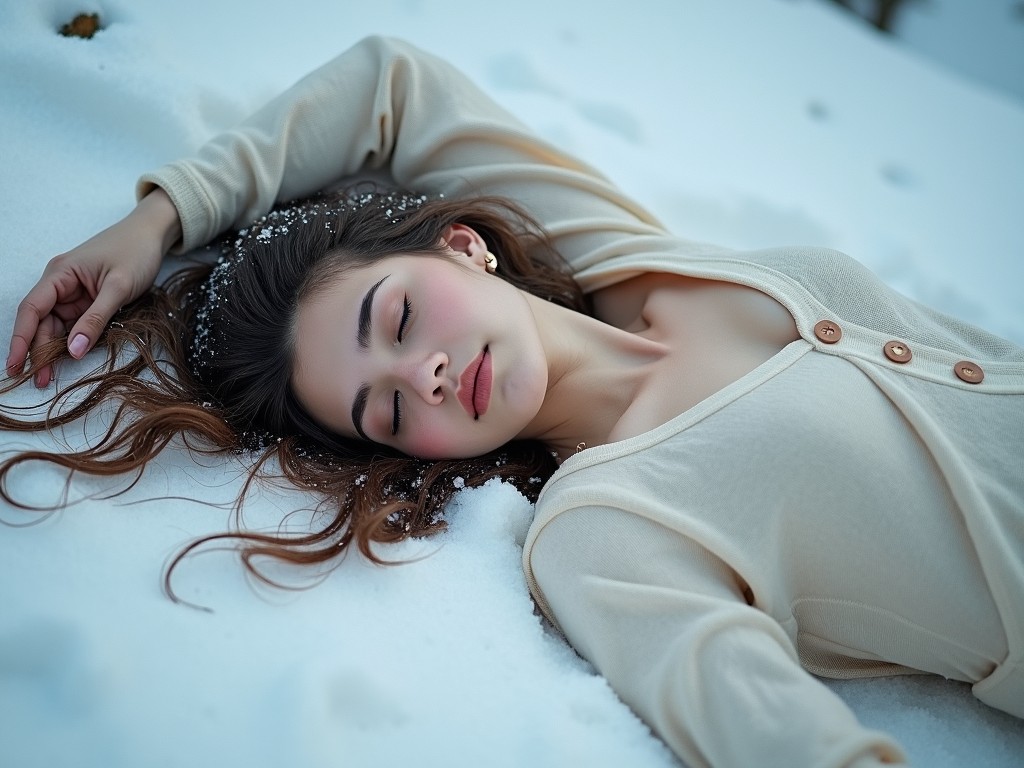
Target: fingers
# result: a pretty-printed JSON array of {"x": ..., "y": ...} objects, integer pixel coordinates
[
  {"x": 50, "y": 328},
  {"x": 31, "y": 311},
  {"x": 90, "y": 325},
  {"x": 51, "y": 307}
]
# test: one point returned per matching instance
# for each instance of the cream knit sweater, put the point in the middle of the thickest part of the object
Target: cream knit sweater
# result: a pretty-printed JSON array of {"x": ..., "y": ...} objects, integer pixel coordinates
[{"x": 839, "y": 509}]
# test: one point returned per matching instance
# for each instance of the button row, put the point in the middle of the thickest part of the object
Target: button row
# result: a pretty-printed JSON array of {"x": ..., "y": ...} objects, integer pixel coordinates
[{"x": 829, "y": 332}]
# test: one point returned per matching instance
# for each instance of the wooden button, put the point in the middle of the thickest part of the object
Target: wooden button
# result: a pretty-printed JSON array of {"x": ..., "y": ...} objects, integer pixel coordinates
[
  {"x": 828, "y": 332},
  {"x": 970, "y": 372},
  {"x": 897, "y": 351}
]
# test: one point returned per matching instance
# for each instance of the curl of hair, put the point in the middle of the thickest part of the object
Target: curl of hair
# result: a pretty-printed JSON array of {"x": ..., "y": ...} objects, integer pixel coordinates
[{"x": 368, "y": 494}]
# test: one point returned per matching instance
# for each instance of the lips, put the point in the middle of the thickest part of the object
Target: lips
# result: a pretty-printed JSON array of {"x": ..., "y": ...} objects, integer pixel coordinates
[{"x": 475, "y": 385}]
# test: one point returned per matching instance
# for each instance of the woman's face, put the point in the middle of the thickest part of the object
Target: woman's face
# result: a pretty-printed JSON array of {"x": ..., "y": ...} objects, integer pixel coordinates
[{"x": 429, "y": 355}]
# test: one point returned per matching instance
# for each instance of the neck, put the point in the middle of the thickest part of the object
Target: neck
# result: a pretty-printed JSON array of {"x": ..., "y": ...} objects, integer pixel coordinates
[{"x": 595, "y": 371}]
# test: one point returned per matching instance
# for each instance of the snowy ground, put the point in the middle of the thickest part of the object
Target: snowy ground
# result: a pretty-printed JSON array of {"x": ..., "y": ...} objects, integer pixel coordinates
[{"x": 751, "y": 123}]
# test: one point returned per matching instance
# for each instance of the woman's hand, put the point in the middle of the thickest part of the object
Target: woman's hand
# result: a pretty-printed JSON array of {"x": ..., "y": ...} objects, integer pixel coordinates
[{"x": 82, "y": 289}]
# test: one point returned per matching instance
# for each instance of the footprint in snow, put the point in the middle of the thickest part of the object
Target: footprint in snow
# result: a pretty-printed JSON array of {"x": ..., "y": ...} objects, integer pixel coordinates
[
  {"x": 897, "y": 175},
  {"x": 516, "y": 73}
]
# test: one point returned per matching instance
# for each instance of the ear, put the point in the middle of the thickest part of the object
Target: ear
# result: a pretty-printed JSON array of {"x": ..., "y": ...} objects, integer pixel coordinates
[{"x": 467, "y": 243}]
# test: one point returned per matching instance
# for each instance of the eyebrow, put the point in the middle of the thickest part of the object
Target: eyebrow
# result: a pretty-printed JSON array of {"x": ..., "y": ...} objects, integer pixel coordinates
[
  {"x": 363, "y": 339},
  {"x": 358, "y": 407},
  {"x": 365, "y": 315}
]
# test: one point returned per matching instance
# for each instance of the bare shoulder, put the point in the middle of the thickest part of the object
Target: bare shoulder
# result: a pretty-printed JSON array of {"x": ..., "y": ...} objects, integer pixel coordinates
[
  {"x": 662, "y": 304},
  {"x": 627, "y": 305}
]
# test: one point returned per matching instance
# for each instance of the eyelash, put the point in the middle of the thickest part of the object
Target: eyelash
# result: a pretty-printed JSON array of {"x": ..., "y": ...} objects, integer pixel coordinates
[
  {"x": 396, "y": 419},
  {"x": 406, "y": 311}
]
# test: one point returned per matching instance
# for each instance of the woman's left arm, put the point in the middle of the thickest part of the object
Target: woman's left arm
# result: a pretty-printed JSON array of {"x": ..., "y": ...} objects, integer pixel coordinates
[{"x": 666, "y": 623}]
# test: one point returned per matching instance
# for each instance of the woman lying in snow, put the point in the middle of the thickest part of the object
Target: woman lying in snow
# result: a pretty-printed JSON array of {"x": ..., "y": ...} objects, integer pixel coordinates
[{"x": 759, "y": 465}]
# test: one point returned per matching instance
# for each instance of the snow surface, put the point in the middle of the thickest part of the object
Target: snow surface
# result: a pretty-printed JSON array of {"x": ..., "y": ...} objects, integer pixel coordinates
[{"x": 747, "y": 122}]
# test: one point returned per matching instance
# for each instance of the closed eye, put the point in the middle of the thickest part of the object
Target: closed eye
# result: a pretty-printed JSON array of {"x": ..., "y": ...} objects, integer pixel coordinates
[
  {"x": 396, "y": 418},
  {"x": 406, "y": 311}
]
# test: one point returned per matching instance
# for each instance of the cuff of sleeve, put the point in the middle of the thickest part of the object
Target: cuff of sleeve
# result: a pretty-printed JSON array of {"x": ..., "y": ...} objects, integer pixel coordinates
[{"x": 197, "y": 227}]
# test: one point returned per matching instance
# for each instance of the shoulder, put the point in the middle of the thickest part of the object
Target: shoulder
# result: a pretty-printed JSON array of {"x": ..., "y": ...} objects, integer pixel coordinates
[{"x": 631, "y": 304}]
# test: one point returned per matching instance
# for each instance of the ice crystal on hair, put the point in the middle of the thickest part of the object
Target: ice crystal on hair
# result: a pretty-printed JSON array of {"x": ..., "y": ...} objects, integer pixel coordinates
[
  {"x": 459, "y": 482},
  {"x": 203, "y": 345},
  {"x": 256, "y": 441}
]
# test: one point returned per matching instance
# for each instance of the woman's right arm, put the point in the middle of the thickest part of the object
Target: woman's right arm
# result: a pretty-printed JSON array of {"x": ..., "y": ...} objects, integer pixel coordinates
[{"x": 385, "y": 104}]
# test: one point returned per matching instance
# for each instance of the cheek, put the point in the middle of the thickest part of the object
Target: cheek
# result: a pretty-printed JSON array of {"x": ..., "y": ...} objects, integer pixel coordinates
[
  {"x": 436, "y": 441},
  {"x": 432, "y": 439},
  {"x": 427, "y": 445},
  {"x": 450, "y": 304}
]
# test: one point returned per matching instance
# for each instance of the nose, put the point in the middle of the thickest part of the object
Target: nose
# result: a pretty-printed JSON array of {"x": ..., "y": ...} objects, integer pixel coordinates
[{"x": 427, "y": 376}]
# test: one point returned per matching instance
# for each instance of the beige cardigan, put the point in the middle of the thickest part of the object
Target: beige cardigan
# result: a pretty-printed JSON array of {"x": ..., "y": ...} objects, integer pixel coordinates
[{"x": 836, "y": 508}]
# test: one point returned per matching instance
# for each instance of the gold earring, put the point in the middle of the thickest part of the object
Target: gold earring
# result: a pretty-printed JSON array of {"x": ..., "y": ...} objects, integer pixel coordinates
[{"x": 490, "y": 263}]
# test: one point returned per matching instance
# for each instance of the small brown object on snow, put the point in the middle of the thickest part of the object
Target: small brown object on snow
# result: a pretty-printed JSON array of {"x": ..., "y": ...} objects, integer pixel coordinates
[{"x": 83, "y": 25}]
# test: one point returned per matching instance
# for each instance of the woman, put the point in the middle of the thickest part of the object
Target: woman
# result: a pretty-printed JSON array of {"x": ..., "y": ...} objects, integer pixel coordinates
[{"x": 751, "y": 444}]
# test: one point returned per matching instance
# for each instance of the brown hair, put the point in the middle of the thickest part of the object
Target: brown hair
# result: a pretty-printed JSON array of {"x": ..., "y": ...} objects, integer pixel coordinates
[{"x": 212, "y": 364}]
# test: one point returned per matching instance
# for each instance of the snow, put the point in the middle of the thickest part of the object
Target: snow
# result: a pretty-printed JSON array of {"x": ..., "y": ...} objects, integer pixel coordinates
[{"x": 746, "y": 122}]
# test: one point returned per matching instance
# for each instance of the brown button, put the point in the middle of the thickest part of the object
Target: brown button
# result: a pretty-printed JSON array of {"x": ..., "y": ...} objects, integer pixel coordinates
[
  {"x": 970, "y": 372},
  {"x": 897, "y": 351},
  {"x": 828, "y": 332}
]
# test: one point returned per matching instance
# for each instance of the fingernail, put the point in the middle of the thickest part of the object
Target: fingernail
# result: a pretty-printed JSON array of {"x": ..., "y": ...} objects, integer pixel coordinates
[
  {"x": 78, "y": 345},
  {"x": 12, "y": 368}
]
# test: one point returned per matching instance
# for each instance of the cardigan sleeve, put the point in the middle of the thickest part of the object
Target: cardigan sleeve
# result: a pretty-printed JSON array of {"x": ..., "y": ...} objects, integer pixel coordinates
[
  {"x": 666, "y": 623},
  {"x": 386, "y": 105}
]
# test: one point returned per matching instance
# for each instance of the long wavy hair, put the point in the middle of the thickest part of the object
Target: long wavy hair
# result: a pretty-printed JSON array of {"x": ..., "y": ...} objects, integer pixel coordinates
[{"x": 207, "y": 358}]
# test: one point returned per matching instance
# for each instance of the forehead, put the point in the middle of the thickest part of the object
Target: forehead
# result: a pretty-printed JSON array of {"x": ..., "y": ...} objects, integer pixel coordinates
[{"x": 325, "y": 363}]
